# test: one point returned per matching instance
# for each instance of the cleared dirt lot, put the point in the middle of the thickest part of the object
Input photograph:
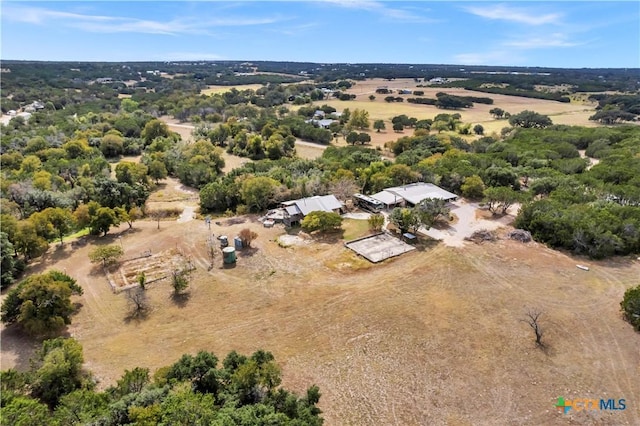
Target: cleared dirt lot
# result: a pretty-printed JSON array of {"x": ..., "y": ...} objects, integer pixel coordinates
[{"x": 430, "y": 337}]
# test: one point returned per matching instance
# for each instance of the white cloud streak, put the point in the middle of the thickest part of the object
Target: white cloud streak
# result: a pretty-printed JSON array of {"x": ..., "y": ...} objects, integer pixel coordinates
[
  {"x": 552, "y": 40},
  {"x": 380, "y": 8},
  {"x": 513, "y": 14},
  {"x": 118, "y": 24}
]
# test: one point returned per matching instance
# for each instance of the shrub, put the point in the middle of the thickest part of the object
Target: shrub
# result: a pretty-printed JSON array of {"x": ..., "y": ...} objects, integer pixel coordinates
[{"x": 631, "y": 306}]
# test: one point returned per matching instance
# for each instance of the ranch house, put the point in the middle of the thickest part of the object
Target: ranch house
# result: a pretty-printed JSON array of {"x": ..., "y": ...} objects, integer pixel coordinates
[{"x": 296, "y": 210}]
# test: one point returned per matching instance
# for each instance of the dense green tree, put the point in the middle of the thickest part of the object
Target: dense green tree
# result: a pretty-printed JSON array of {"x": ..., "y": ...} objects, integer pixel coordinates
[
  {"x": 157, "y": 170},
  {"x": 500, "y": 198},
  {"x": 258, "y": 192},
  {"x": 376, "y": 222},
  {"x": 530, "y": 119},
  {"x": 24, "y": 411},
  {"x": 154, "y": 129},
  {"x": 179, "y": 280},
  {"x": 132, "y": 381},
  {"x": 473, "y": 187},
  {"x": 352, "y": 138},
  {"x": 131, "y": 173},
  {"x": 405, "y": 219},
  {"x": 27, "y": 241},
  {"x": 61, "y": 219},
  {"x": 497, "y": 112},
  {"x": 432, "y": 210},
  {"x": 103, "y": 219},
  {"x": 58, "y": 370},
  {"x": 379, "y": 125},
  {"x": 8, "y": 264},
  {"x": 112, "y": 145},
  {"x": 199, "y": 370},
  {"x": 631, "y": 306},
  {"x": 359, "y": 119},
  {"x": 41, "y": 303},
  {"x": 108, "y": 255},
  {"x": 82, "y": 406},
  {"x": 321, "y": 221}
]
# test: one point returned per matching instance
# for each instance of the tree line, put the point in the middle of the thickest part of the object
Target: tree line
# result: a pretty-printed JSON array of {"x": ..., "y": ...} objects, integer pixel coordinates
[{"x": 196, "y": 389}]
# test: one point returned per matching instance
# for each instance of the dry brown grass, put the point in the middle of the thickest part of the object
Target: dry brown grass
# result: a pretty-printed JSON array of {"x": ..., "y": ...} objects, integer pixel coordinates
[{"x": 431, "y": 337}]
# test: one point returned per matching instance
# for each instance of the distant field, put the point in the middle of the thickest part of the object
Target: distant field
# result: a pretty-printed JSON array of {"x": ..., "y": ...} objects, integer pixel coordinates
[
  {"x": 575, "y": 113},
  {"x": 221, "y": 89}
]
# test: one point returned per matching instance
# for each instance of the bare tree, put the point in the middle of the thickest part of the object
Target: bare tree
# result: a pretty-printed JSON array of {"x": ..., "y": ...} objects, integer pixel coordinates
[
  {"x": 138, "y": 301},
  {"x": 533, "y": 319},
  {"x": 344, "y": 188},
  {"x": 158, "y": 215}
]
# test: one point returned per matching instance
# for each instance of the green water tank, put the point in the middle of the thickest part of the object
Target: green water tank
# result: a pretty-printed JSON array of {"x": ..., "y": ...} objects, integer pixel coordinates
[{"x": 229, "y": 255}]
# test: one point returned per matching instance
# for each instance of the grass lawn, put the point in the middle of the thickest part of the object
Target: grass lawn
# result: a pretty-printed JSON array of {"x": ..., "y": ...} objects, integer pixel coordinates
[
  {"x": 211, "y": 90},
  {"x": 80, "y": 233},
  {"x": 354, "y": 228}
]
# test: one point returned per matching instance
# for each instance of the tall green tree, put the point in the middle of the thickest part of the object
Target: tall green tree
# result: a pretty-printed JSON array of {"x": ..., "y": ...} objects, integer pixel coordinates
[
  {"x": 8, "y": 265},
  {"x": 41, "y": 304},
  {"x": 631, "y": 306},
  {"x": 530, "y": 119},
  {"x": 359, "y": 119},
  {"x": 58, "y": 370},
  {"x": 379, "y": 125},
  {"x": 431, "y": 210},
  {"x": 61, "y": 219},
  {"x": 258, "y": 192},
  {"x": 500, "y": 198},
  {"x": 321, "y": 221},
  {"x": 405, "y": 219},
  {"x": 108, "y": 255}
]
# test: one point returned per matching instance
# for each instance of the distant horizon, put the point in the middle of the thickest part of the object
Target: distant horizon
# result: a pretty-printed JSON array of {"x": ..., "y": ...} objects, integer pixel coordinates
[
  {"x": 319, "y": 63},
  {"x": 561, "y": 35}
]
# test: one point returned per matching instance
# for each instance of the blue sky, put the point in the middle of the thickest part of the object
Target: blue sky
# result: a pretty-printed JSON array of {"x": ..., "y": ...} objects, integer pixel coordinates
[{"x": 571, "y": 34}]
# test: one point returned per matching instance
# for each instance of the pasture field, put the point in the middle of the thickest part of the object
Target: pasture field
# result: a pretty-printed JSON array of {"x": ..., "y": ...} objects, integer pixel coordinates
[
  {"x": 434, "y": 336},
  {"x": 213, "y": 89},
  {"x": 574, "y": 113}
]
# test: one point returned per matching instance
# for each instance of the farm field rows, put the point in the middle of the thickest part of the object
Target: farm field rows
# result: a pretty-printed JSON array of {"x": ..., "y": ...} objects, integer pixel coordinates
[{"x": 430, "y": 337}]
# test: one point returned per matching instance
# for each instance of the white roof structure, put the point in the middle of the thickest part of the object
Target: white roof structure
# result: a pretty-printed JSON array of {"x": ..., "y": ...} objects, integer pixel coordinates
[
  {"x": 323, "y": 203},
  {"x": 413, "y": 193}
]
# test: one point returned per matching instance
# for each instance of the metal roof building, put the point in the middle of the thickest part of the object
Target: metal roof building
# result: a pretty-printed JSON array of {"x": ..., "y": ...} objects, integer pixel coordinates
[
  {"x": 295, "y": 210},
  {"x": 412, "y": 194}
]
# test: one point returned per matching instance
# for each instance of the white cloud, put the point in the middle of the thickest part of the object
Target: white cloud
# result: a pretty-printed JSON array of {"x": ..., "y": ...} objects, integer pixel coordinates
[
  {"x": 119, "y": 24},
  {"x": 552, "y": 40},
  {"x": 380, "y": 8},
  {"x": 493, "y": 57},
  {"x": 513, "y": 14}
]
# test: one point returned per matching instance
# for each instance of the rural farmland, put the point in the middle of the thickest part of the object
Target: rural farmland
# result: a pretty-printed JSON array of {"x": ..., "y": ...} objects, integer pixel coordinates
[
  {"x": 232, "y": 213},
  {"x": 393, "y": 342}
]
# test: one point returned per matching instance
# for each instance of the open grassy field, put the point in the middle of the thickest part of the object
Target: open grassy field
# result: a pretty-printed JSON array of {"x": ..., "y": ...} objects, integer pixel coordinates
[
  {"x": 431, "y": 337},
  {"x": 575, "y": 113},
  {"x": 212, "y": 90}
]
